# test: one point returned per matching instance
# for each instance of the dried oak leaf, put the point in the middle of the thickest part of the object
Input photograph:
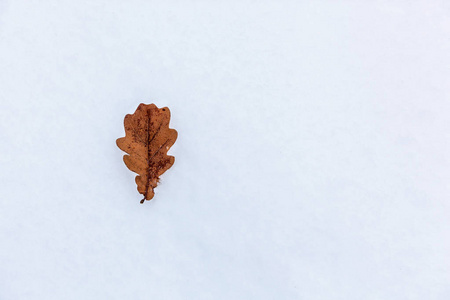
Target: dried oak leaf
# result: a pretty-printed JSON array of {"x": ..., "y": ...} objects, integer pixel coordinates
[{"x": 147, "y": 140}]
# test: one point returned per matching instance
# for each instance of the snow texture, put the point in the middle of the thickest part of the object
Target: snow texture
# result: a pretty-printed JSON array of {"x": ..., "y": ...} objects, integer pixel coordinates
[{"x": 312, "y": 160}]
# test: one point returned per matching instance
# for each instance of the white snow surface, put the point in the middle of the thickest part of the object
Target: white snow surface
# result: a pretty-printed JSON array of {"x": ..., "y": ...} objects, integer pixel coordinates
[{"x": 312, "y": 160}]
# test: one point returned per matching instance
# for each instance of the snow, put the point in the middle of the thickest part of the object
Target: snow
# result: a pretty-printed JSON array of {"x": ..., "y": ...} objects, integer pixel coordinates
[{"x": 312, "y": 160}]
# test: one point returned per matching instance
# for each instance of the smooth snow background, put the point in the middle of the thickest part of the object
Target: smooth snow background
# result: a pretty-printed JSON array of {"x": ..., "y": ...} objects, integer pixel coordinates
[{"x": 312, "y": 160}]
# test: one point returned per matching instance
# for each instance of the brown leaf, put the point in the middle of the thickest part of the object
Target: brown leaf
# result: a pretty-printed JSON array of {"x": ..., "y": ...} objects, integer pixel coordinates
[{"x": 147, "y": 140}]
